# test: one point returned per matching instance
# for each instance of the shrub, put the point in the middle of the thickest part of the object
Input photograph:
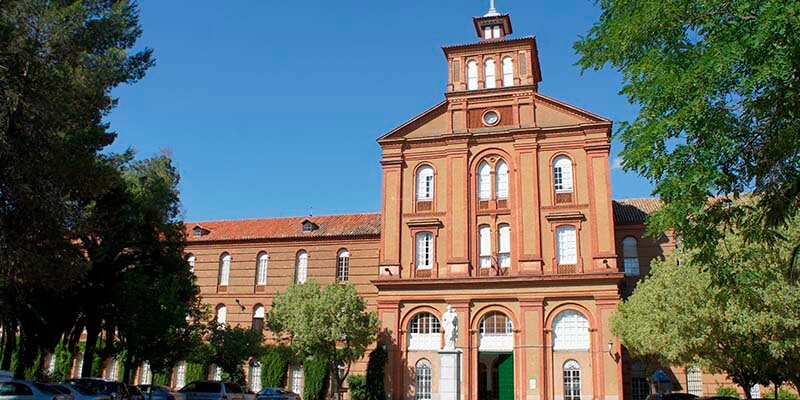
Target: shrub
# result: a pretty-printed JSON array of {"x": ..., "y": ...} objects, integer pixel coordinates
[
  {"x": 195, "y": 372},
  {"x": 784, "y": 394},
  {"x": 728, "y": 391},
  {"x": 375, "y": 374},
  {"x": 358, "y": 387},
  {"x": 315, "y": 374},
  {"x": 162, "y": 378},
  {"x": 274, "y": 365}
]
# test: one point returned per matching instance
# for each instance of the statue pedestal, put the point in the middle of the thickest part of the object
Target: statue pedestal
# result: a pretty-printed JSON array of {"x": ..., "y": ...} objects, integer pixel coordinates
[{"x": 449, "y": 375}]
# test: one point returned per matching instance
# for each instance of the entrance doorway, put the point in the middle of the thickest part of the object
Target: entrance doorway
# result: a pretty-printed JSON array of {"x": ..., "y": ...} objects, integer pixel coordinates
[{"x": 495, "y": 376}]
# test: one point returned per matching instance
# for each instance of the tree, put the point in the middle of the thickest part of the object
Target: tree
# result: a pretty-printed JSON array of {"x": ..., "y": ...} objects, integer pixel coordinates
[
  {"x": 748, "y": 326},
  {"x": 717, "y": 83},
  {"x": 59, "y": 62},
  {"x": 330, "y": 324},
  {"x": 231, "y": 347}
]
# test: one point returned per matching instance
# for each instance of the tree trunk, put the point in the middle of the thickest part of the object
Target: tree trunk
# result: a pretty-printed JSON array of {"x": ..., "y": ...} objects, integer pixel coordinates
[
  {"x": 9, "y": 342},
  {"x": 129, "y": 366},
  {"x": 92, "y": 331}
]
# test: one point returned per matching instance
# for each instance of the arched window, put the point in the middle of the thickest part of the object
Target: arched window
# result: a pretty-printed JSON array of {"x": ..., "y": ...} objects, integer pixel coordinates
[
  {"x": 501, "y": 170},
  {"x": 485, "y": 240},
  {"x": 424, "y": 250},
  {"x": 496, "y": 333},
  {"x": 504, "y": 245},
  {"x": 694, "y": 381},
  {"x": 566, "y": 242},
  {"x": 508, "y": 71},
  {"x": 343, "y": 266},
  {"x": 258, "y": 318},
  {"x": 224, "y": 269},
  {"x": 190, "y": 259},
  {"x": 261, "y": 268},
  {"x": 254, "y": 376},
  {"x": 562, "y": 174},
  {"x": 496, "y": 323},
  {"x": 571, "y": 331},
  {"x": 222, "y": 314},
  {"x": 489, "y": 74},
  {"x": 472, "y": 75},
  {"x": 423, "y": 332},
  {"x": 425, "y": 183},
  {"x": 484, "y": 181},
  {"x": 301, "y": 272},
  {"x": 572, "y": 380},
  {"x": 423, "y": 371},
  {"x": 630, "y": 254}
]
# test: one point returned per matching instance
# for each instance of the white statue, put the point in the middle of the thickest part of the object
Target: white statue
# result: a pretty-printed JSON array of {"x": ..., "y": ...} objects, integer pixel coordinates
[{"x": 450, "y": 325}]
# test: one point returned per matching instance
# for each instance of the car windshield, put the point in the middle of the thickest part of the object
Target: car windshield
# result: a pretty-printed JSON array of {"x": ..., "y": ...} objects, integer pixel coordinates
[
  {"x": 98, "y": 386},
  {"x": 203, "y": 387}
]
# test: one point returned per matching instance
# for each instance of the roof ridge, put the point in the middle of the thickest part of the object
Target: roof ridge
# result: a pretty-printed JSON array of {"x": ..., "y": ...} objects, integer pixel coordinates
[{"x": 275, "y": 218}]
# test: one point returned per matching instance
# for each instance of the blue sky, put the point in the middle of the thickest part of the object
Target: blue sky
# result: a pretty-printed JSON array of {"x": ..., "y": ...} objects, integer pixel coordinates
[{"x": 272, "y": 108}]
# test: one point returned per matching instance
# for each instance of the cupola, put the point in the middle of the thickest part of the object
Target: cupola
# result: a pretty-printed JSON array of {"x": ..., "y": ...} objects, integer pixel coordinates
[{"x": 492, "y": 25}]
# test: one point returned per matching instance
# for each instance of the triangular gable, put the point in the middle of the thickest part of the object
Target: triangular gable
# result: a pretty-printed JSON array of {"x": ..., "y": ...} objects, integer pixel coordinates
[
  {"x": 431, "y": 122},
  {"x": 552, "y": 113}
]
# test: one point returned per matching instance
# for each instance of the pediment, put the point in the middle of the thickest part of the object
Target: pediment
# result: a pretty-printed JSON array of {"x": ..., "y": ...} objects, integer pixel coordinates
[
  {"x": 553, "y": 113},
  {"x": 430, "y": 123}
]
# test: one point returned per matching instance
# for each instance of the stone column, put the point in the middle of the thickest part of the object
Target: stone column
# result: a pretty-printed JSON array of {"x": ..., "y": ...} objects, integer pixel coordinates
[{"x": 449, "y": 375}]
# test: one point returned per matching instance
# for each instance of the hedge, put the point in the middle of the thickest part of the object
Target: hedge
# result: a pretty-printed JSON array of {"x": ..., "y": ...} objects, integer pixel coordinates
[
  {"x": 274, "y": 365},
  {"x": 376, "y": 372},
  {"x": 315, "y": 375},
  {"x": 358, "y": 387}
]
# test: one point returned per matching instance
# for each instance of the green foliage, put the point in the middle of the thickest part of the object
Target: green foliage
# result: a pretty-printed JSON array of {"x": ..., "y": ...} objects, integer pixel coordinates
[
  {"x": 717, "y": 85},
  {"x": 231, "y": 347},
  {"x": 745, "y": 324},
  {"x": 376, "y": 373},
  {"x": 162, "y": 378},
  {"x": 728, "y": 391},
  {"x": 274, "y": 365},
  {"x": 63, "y": 362},
  {"x": 195, "y": 372},
  {"x": 331, "y": 324},
  {"x": 358, "y": 387},
  {"x": 784, "y": 394},
  {"x": 315, "y": 379}
]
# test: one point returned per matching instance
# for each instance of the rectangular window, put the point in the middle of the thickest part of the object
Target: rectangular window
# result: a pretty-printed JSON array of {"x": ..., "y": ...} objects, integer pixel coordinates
[
  {"x": 144, "y": 375},
  {"x": 504, "y": 246},
  {"x": 343, "y": 269},
  {"x": 572, "y": 384},
  {"x": 424, "y": 383},
  {"x": 496, "y": 31},
  {"x": 487, "y": 32},
  {"x": 424, "y": 250},
  {"x": 631, "y": 266},
  {"x": 180, "y": 375},
  {"x": 255, "y": 377},
  {"x": 567, "y": 246},
  {"x": 262, "y": 270},
  {"x": 640, "y": 388},
  {"x": 694, "y": 381},
  {"x": 485, "y": 247},
  {"x": 297, "y": 380}
]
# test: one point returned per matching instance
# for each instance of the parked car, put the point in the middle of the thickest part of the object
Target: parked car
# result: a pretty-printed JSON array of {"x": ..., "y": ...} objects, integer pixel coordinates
[
  {"x": 24, "y": 390},
  {"x": 718, "y": 398},
  {"x": 277, "y": 394},
  {"x": 158, "y": 392},
  {"x": 248, "y": 394},
  {"x": 113, "y": 389},
  {"x": 212, "y": 390},
  {"x": 134, "y": 393},
  {"x": 672, "y": 396},
  {"x": 78, "y": 392}
]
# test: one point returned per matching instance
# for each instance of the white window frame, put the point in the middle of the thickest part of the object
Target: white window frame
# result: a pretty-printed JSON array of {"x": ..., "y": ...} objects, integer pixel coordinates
[
  {"x": 424, "y": 332},
  {"x": 425, "y": 182},
  {"x": 301, "y": 267},
  {"x": 254, "y": 376},
  {"x": 145, "y": 374},
  {"x": 572, "y": 380},
  {"x": 496, "y": 31},
  {"x": 630, "y": 256},
  {"x": 567, "y": 245},
  {"x": 191, "y": 259},
  {"x": 472, "y": 75},
  {"x": 262, "y": 266},
  {"x": 489, "y": 73},
  {"x": 343, "y": 265},
  {"x": 487, "y": 32},
  {"x": 180, "y": 375},
  {"x": 508, "y": 71},
  {"x": 571, "y": 332},
  {"x": 484, "y": 181},
  {"x": 296, "y": 376},
  {"x": 485, "y": 246},
  {"x": 224, "y": 269},
  {"x": 501, "y": 187},
  {"x": 424, "y": 380},
  {"x": 694, "y": 381},
  {"x": 504, "y": 245},
  {"x": 562, "y": 175},
  {"x": 497, "y": 340},
  {"x": 425, "y": 251}
]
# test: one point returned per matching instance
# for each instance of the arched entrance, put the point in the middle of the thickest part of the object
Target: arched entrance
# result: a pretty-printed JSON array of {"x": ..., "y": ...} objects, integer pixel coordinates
[{"x": 496, "y": 357}]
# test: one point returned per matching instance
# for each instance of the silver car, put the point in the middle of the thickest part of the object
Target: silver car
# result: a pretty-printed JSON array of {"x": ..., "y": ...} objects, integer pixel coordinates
[
  {"x": 24, "y": 390},
  {"x": 78, "y": 392},
  {"x": 212, "y": 390},
  {"x": 277, "y": 394}
]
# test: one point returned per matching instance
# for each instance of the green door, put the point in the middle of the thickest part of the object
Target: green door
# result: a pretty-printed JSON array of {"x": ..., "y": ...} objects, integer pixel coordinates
[{"x": 505, "y": 378}]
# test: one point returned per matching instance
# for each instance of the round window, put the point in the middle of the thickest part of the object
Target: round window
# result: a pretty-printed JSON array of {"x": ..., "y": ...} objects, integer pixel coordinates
[{"x": 491, "y": 118}]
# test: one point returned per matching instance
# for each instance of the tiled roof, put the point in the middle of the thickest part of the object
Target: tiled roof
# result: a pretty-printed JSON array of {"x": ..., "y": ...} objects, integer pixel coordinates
[
  {"x": 505, "y": 41},
  {"x": 287, "y": 228},
  {"x": 634, "y": 211}
]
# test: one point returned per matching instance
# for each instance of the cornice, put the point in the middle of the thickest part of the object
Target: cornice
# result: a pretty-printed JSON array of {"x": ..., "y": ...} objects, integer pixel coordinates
[{"x": 499, "y": 282}]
